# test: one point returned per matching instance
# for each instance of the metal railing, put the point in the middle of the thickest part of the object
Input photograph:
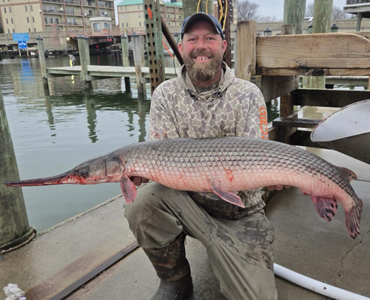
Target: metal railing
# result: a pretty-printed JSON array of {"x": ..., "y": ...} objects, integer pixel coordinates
[{"x": 349, "y": 2}]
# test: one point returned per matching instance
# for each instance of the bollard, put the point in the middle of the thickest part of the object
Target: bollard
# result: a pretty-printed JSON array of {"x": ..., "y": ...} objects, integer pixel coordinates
[
  {"x": 14, "y": 227},
  {"x": 83, "y": 49},
  {"x": 136, "y": 48},
  {"x": 125, "y": 61}
]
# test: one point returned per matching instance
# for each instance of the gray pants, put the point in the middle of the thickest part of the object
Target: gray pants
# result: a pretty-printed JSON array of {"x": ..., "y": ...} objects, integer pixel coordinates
[{"x": 239, "y": 251}]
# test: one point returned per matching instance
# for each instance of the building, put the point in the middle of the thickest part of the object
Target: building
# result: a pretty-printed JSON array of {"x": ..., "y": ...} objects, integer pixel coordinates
[
  {"x": 131, "y": 16},
  {"x": 20, "y": 16}
]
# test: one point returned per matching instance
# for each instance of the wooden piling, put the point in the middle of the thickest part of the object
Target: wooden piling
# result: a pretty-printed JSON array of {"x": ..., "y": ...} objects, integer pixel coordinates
[
  {"x": 136, "y": 48},
  {"x": 14, "y": 227},
  {"x": 83, "y": 50},
  {"x": 294, "y": 11},
  {"x": 359, "y": 20},
  {"x": 246, "y": 49},
  {"x": 41, "y": 50},
  {"x": 321, "y": 24},
  {"x": 125, "y": 61}
]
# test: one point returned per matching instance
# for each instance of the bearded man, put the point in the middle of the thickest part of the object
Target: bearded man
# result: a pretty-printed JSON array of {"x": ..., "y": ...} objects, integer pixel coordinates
[{"x": 205, "y": 101}]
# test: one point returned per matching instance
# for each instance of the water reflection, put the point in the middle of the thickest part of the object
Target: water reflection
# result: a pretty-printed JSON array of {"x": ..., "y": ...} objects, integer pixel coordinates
[{"x": 53, "y": 132}]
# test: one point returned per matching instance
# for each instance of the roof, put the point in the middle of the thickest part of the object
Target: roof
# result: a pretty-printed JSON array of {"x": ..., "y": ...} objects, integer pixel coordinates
[
  {"x": 138, "y": 2},
  {"x": 130, "y": 2}
]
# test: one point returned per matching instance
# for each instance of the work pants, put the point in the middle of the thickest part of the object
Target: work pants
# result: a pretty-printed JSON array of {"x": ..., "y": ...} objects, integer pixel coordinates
[{"x": 239, "y": 251}]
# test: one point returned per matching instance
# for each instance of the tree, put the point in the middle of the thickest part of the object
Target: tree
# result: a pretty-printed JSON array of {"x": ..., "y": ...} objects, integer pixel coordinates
[
  {"x": 248, "y": 10},
  {"x": 309, "y": 10},
  {"x": 337, "y": 12},
  {"x": 267, "y": 19}
]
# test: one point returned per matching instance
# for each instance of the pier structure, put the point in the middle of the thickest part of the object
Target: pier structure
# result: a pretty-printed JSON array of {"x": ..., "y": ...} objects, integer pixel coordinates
[{"x": 98, "y": 256}]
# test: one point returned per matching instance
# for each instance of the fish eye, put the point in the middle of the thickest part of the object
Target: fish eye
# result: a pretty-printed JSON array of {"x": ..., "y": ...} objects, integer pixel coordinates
[{"x": 84, "y": 173}]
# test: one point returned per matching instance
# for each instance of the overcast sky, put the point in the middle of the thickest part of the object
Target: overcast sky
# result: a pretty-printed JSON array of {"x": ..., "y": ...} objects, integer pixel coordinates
[
  {"x": 275, "y": 8},
  {"x": 269, "y": 8}
]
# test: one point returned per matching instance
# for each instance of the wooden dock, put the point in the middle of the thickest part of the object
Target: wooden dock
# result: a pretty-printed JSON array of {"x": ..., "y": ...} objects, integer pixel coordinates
[{"x": 104, "y": 71}]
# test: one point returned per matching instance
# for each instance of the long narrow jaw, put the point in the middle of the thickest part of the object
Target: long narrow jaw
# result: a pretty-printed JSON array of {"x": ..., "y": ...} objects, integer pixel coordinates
[{"x": 64, "y": 178}]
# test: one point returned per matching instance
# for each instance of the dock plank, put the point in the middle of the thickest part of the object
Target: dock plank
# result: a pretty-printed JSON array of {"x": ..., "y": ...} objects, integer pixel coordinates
[{"x": 105, "y": 71}]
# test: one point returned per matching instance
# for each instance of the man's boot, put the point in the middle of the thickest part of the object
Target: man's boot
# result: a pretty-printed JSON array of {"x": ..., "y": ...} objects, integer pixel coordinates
[{"x": 173, "y": 270}]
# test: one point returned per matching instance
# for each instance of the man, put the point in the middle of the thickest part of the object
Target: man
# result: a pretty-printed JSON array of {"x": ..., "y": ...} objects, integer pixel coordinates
[{"x": 205, "y": 100}]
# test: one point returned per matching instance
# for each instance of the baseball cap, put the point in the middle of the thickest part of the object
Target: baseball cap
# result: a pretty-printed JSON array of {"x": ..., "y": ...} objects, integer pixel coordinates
[{"x": 201, "y": 16}]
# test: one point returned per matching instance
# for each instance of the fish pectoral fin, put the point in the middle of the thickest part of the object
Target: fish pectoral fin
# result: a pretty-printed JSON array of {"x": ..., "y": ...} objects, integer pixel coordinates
[
  {"x": 325, "y": 207},
  {"x": 128, "y": 189},
  {"x": 230, "y": 197},
  {"x": 353, "y": 218}
]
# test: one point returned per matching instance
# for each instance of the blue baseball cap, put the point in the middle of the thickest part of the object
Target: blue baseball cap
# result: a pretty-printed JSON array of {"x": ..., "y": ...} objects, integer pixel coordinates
[{"x": 204, "y": 17}]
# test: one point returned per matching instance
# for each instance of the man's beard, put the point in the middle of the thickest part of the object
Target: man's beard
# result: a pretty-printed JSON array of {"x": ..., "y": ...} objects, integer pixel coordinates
[{"x": 202, "y": 71}]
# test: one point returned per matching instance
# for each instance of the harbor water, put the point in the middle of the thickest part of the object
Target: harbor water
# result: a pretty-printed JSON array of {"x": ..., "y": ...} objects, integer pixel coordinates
[{"x": 53, "y": 133}]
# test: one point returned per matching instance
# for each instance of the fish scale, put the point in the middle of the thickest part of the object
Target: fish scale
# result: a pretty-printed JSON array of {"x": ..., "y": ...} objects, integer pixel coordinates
[{"x": 223, "y": 166}]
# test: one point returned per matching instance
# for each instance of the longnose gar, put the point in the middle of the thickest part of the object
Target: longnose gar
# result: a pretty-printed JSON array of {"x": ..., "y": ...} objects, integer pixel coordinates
[{"x": 222, "y": 166}]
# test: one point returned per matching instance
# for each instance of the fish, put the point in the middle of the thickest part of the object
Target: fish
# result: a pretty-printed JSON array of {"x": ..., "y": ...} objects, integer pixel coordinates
[{"x": 223, "y": 166}]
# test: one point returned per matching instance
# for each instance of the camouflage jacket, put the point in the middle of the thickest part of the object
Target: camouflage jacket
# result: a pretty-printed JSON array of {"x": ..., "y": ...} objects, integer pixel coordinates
[{"x": 234, "y": 108}]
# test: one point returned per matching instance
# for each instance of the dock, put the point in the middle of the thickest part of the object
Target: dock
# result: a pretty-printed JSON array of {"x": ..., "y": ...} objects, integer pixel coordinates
[
  {"x": 96, "y": 71},
  {"x": 94, "y": 255}
]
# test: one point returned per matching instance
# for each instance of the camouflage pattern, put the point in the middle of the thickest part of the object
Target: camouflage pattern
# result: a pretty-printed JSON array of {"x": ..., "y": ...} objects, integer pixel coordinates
[{"x": 232, "y": 108}]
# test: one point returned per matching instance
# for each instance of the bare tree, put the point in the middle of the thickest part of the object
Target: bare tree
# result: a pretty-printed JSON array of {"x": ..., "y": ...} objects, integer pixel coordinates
[
  {"x": 267, "y": 19},
  {"x": 309, "y": 10},
  {"x": 247, "y": 10},
  {"x": 338, "y": 13}
]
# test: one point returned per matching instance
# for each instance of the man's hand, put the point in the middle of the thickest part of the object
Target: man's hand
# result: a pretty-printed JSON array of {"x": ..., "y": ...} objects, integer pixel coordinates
[
  {"x": 139, "y": 180},
  {"x": 278, "y": 187}
]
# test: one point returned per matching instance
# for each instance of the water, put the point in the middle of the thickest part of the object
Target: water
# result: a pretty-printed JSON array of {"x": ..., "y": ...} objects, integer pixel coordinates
[{"x": 52, "y": 134}]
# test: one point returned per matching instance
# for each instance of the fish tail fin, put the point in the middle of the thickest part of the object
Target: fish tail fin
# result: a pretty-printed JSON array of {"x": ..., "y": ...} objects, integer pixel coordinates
[
  {"x": 353, "y": 217},
  {"x": 325, "y": 207}
]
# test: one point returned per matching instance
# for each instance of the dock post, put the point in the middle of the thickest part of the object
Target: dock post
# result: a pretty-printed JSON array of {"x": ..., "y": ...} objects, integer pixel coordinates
[
  {"x": 136, "y": 48},
  {"x": 294, "y": 14},
  {"x": 41, "y": 50},
  {"x": 83, "y": 50},
  {"x": 125, "y": 61},
  {"x": 14, "y": 227},
  {"x": 321, "y": 24},
  {"x": 246, "y": 49}
]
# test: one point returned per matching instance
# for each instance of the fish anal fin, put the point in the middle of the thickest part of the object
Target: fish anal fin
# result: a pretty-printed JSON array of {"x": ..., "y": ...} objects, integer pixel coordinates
[
  {"x": 353, "y": 218},
  {"x": 325, "y": 207},
  {"x": 228, "y": 196},
  {"x": 347, "y": 173},
  {"x": 128, "y": 189}
]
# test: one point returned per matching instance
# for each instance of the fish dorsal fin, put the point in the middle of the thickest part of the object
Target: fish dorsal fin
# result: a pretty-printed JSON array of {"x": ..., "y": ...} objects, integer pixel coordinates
[{"x": 347, "y": 173}]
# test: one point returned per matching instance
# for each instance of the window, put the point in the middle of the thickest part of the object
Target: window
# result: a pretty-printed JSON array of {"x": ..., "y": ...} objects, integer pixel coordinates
[
  {"x": 34, "y": 30},
  {"x": 28, "y": 19},
  {"x": 126, "y": 24},
  {"x": 123, "y": 25},
  {"x": 139, "y": 15},
  {"x": 31, "y": 8},
  {"x": 46, "y": 20},
  {"x": 25, "y": 7},
  {"x": 13, "y": 31},
  {"x": 4, "y": 9},
  {"x": 10, "y": 9},
  {"x": 139, "y": 24},
  {"x": 33, "y": 19},
  {"x": 6, "y": 21},
  {"x": 125, "y": 7},
  {"x": 126, "y": 16},
  {"x": 29, "y": 29},
  {"x": 8, "y": 30},
  {"x": 11, "y": 20}
]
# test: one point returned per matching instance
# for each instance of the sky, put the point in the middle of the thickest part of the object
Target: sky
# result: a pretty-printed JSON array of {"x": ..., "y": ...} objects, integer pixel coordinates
[
  {"x": 275, "y": 8},
  {"x": 268, "y": 8}
]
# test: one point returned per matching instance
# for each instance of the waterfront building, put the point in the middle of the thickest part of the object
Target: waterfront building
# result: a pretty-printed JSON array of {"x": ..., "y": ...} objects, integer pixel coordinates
[{"x": 19, "y": 16}]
